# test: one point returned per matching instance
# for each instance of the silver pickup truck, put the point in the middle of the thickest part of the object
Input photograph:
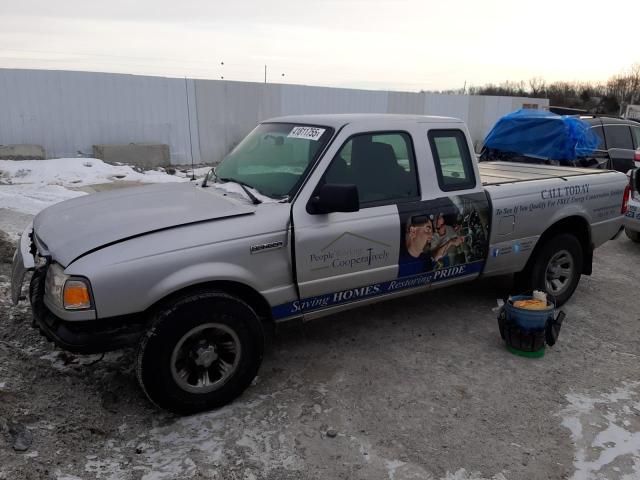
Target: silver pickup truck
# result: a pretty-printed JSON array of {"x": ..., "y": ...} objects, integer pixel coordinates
[{"x": 307, "y": 216}]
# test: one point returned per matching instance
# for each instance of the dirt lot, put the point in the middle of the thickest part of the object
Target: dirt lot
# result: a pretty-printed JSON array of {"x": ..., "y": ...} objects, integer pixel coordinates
[{"x": 416, "y": 388}]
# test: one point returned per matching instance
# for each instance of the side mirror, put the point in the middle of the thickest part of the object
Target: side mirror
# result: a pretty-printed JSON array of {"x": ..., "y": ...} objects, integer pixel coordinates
[{"x": 335, "y": 198}]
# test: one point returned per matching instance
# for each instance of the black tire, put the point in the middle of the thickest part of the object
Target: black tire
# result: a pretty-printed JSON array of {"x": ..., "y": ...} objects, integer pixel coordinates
[
  {"x": 563, "y": 249},
  {"x": 36, "y": 292},
  {"x": 186, "y": 336},
  {"x": 633, "y": 235}
]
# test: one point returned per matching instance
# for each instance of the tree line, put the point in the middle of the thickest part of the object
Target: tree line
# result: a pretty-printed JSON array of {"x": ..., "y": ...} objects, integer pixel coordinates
[{"x": 610, "y": 97}]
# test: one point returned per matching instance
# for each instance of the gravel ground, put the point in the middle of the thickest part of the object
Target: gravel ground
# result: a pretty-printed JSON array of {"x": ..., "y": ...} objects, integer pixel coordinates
[{"x": 415, "y": 388}]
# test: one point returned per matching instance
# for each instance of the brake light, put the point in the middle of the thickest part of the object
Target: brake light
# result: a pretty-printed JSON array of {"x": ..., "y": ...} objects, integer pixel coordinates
[
  {"x": 636, "y": 156},
  {"x": 625, "y": 199}
]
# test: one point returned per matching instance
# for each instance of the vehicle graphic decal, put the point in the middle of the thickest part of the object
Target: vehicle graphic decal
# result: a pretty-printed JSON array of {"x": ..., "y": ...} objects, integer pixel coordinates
[
  {"x": 443, "y": 233},
  {"x": 298, "y": 307},
  {"x": 439, "y": 240},
  {"x": 335, "y": 256}
]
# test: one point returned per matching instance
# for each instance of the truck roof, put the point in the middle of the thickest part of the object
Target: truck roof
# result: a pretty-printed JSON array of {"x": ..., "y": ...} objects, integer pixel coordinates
[{"x": 337, "y": 120}]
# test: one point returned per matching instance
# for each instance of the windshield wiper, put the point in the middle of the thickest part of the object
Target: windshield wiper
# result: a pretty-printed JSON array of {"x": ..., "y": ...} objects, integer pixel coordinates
[
  {"x": 206, "y": 177},
  {"x": 244, "y": 186}
]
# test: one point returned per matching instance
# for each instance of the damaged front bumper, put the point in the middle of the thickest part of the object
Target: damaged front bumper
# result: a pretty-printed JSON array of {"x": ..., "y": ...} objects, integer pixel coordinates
[
  {"x": 84, "y": 336},
  {"x": 23, "y": 261},
  {"x": 79, "y": 331},
  {"x": 91, "y": 336}
]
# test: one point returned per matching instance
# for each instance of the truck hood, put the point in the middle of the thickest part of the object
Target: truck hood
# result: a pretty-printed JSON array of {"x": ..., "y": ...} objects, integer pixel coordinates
[{"x": 72, "y": 228}]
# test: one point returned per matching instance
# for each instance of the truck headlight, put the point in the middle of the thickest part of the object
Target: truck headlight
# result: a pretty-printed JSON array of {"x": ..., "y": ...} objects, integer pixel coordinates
[
  {"x": 70, "y": 293},
  {"x": 54, "y": 283}
]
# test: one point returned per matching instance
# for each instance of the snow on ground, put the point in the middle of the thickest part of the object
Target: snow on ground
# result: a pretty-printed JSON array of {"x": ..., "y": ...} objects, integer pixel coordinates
[
  {"x": 197, "y": 172},
  {"x": 463, "y": 474},
  {"x": 28, "y": 186},
  {"x": 31, "y": 199},
  {"x": 605, "y": 431},
  {"x": 76, "y": 172},
  {"x": 246, "y": 433}
]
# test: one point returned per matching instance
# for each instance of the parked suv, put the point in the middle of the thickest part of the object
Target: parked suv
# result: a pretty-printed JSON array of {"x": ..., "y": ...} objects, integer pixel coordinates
[{"x": 620, "y": 138}]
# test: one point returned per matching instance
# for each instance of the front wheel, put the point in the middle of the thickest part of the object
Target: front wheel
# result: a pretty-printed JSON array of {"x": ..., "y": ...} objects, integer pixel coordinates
[
  {"x": 633, "y": 235},
  {"x": 201, "y": 352},
  {"x": 557, "y": 267}
]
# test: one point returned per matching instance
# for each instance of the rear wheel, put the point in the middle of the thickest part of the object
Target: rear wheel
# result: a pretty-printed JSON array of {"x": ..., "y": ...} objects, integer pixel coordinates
[
  {"x": 633, "y": 235},
  {"x": 555, "y": 269},
  {"x": 200, "y": 353}
]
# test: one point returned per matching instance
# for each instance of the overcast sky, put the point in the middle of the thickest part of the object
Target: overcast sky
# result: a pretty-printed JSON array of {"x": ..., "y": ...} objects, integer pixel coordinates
[{"x": 398, "y": 45}]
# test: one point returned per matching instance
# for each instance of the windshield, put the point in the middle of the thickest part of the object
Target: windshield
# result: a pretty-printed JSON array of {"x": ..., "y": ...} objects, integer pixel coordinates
[{"x": 274, "y": 157}]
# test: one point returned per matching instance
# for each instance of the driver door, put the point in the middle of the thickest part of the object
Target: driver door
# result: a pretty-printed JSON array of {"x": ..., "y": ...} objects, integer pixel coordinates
[{"x": 343, "y": 257}]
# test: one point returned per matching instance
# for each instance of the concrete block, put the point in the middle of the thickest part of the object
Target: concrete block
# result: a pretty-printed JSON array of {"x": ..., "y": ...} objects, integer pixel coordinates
[
  {"x": 22, "y": 152},
  {"x": 145, "y": 155}
]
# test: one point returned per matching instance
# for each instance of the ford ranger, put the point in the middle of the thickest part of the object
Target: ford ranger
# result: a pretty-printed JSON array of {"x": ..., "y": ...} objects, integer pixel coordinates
[{"x": 309, "y": 215}]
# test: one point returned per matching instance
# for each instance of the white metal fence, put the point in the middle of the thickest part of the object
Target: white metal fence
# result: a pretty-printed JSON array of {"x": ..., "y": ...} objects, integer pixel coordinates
[{"x": 68, "y": 112}]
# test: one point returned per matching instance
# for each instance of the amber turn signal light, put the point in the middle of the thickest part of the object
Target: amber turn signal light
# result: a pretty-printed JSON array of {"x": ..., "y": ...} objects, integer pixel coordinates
[{"x": 76, "y": 295}]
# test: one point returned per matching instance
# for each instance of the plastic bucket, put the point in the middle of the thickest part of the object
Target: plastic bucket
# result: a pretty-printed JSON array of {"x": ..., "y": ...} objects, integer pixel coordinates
[
  {"x": 527, "y": 319},
  {"x": 524, "y": 330}
]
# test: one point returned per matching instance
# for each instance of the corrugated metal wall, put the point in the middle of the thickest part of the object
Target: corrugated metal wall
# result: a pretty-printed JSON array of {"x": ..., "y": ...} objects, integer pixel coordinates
[{"x": 68, "y": 112}]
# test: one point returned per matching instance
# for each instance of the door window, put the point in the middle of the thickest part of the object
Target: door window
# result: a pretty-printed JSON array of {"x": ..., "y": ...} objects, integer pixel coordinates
[
  {"x": 381, "y": 165},
  {"x": 618, "y": 136},
  {"x": 452, "y": 160}
]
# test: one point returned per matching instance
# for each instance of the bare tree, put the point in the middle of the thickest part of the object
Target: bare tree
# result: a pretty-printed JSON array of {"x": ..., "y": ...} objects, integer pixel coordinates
[
  {"x": 537, "y": 86},
  {"x": 634, "y": 83},
  {"x": 610, "y": 97},
  {"x": 619, "y": 86}
]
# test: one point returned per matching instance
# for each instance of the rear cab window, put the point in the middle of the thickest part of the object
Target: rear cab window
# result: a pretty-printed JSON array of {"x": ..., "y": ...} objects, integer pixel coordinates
[{"x": 452, "y": 159}]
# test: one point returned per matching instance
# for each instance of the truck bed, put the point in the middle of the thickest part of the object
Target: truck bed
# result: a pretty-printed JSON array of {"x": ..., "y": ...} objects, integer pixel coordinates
[{"x": 497, "y": 173}]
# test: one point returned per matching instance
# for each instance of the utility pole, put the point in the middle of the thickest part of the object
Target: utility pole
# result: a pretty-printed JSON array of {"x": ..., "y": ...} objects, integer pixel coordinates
[{"x": 265, "y": 74}]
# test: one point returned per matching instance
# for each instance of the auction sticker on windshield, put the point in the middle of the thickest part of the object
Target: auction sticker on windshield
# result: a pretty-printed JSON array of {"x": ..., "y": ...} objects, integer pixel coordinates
[{"x": 308, "y": 133}]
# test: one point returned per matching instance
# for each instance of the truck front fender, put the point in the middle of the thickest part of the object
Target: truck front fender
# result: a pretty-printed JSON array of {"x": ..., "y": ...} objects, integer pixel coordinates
[{"x": 193, "y": 275}]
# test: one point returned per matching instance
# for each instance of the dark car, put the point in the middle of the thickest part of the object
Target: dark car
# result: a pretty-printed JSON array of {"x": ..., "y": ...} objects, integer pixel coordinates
[{"x": 619, "y": 139}]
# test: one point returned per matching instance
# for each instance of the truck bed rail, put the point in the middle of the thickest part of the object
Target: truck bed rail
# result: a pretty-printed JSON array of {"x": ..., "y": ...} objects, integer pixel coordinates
[{"x": 496, "y": 173}]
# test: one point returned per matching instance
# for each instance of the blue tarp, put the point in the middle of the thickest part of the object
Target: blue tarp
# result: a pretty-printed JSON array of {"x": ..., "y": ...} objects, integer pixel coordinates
[{"x": 542, "y": 134}]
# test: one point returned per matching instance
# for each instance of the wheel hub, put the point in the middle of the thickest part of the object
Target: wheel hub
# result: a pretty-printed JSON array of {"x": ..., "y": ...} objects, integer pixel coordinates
[
  {"x": 205, "y": 358},
  {"x": 559, "y": 272}
]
